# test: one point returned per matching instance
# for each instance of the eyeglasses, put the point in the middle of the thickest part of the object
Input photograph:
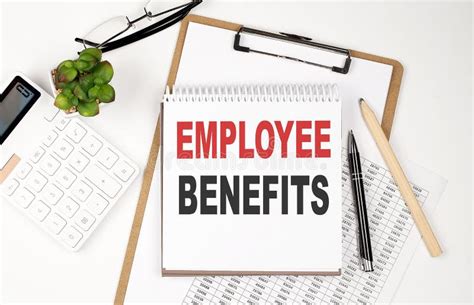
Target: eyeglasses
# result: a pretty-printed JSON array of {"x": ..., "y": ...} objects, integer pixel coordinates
[{"x": 106, "y": 36}]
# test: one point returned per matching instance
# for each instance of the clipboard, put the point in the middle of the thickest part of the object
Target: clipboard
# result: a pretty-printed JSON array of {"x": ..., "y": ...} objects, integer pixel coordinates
[{"x": 387, "y": 121}]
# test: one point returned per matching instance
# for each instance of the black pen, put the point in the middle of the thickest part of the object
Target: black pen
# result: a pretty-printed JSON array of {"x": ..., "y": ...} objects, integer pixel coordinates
[{"x": 355, "y": 168}]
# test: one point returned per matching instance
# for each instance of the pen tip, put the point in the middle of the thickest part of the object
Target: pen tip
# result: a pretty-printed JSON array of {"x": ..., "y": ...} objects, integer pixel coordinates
[{"x": 361, "y": 100}]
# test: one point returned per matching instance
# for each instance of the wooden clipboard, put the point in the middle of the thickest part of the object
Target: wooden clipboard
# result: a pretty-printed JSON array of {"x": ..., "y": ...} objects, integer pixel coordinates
[{"x": 387, "y": 121}]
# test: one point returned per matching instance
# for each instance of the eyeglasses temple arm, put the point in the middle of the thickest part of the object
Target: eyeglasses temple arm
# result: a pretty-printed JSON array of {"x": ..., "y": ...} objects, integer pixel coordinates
[
  {"x": 85, "y": 41},
  {"x": 171, "y": 9},
  {"x": 134, "y": 37},
  {"x": 150, "y": 30}
]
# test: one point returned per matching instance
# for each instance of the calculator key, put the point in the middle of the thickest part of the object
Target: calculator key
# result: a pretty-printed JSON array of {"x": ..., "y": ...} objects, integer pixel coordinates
[
  {"x": 50, "y": 113},
  {"x": 37, "y": 155},
  {"x": 107, "y": 157},
  {"x": 36, "y": 181},
  {"x": 23, "y": 197},
  {"x": 97, "y": 204},
  {"x": 65, "y": 177},
  {"x": 123, "y": 170},
  {"x": 81, "y": 190},
  {"x": 50, "y": 165},
  {"x": 68, "y": 207},
  {"x": 51, "y": 194},
  {"x": 39, "y": 210},
  {"x": 76, "y": 132},
  {"x": 84, "y": 220},
  {"x": 71, "y": 236},
  {"x": 91, "y": 145},
  {"x": 10, "y": 186},
  {"x": 63, "y": 148},
  {"x": 103, "y": 181},
  {"x": 50, "y": 138},
  {"x": 24, "y": 170},
  {"x": 55, "y": 223},
  {"x": 78, "y": 161},
  {"x": 62, "y": 122}
]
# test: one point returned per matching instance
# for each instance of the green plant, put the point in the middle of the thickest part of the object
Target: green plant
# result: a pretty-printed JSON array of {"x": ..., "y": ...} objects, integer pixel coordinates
[{"x": 83, "y": 84}]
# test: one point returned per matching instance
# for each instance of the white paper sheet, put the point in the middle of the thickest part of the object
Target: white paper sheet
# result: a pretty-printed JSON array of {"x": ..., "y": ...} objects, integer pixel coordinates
[{"x": 238, "y": 241}]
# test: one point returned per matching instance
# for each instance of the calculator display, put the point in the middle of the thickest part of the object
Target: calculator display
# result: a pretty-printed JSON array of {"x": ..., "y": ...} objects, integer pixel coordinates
[{"x": 15, "y": 102}]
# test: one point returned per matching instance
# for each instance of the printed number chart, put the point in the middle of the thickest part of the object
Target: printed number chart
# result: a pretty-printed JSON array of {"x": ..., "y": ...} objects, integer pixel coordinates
[{"x": 394, "y": 240}]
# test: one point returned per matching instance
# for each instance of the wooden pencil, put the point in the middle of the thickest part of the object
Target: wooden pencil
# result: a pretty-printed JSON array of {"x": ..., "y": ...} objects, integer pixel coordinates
[{"x": 400, "y": 179}]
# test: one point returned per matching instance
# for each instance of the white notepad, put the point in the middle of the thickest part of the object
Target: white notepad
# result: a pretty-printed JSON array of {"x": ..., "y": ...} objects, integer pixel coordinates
[{"x": 251, "y": 180}]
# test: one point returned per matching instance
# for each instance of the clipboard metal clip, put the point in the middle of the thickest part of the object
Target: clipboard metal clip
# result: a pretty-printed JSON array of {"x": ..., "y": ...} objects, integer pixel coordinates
[{"x": 294, "y": 39}]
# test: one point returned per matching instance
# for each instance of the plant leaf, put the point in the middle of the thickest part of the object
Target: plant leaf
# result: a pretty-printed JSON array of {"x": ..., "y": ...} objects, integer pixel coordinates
[
  {"x": 93, "y": 92},
  {"x": 59, "y": 85},
  {"x": 83, "y": 65},
  {"x": 106, "y": 93},
  {"x": 103, "y": 73},
  {"x": 74, "y": 100},
  {"x": 87, "y": 57},
  {"x": 67, "y": 92},
  {"x": 66, "y": 64},
  {"x": 88, "y": 109},
  {"x": 71, "y": 85},
  {"x": 80, "y": 93},
  {"x": 94, "y": 52},
  {"x": 66, "y": 75},
  {"x": 86, "y": 81},
  {"x": 62, "y": 102}
]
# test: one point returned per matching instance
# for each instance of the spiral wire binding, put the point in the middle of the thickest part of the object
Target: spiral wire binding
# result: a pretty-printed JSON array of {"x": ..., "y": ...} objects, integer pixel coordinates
[{"x": 253, "y": 93}]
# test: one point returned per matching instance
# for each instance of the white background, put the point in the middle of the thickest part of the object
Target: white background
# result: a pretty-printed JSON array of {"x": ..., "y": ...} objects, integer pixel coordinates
[{"x": 432, "y": 125}]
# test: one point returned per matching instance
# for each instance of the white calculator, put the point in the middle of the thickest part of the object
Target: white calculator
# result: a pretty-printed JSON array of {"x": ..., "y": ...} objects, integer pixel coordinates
[{"x": 56, "y": 169}]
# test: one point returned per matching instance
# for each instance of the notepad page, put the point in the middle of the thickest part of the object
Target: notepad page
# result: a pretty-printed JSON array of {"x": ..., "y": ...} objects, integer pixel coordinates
[{"x": 299, "y": 229}]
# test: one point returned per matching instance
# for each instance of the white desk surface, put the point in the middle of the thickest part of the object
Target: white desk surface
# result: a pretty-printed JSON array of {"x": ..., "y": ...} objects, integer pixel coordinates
[{"x": 432, "y": 126}]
